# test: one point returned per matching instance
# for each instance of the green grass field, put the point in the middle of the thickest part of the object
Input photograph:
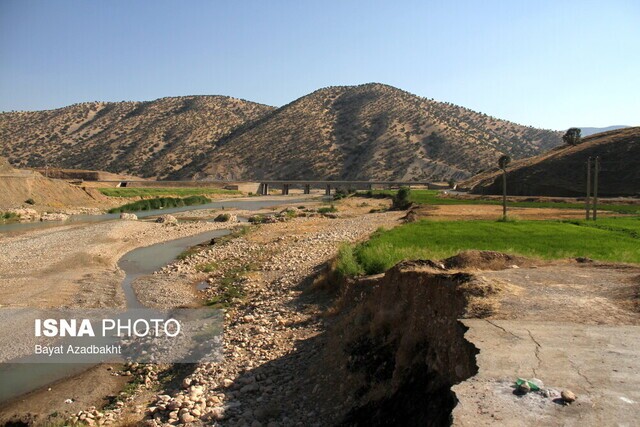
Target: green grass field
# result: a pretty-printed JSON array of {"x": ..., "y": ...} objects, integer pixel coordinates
[
  {"x": 433, "y": 197},
  {"x": 163, "y": 191},
  {"x": 610, "y": 239}
]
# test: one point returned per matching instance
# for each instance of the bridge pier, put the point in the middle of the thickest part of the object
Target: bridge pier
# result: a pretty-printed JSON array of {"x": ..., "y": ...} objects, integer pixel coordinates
[
  {"x": 307, "y": 189},
  {"x": 327, "y": 191},
  {"x": 285, "y": 189},
  {"x": 264, "y": 189}
]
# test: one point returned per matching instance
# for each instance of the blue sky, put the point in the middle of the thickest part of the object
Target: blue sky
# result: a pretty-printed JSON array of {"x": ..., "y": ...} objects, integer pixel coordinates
[{"x": 550, "y": 64}]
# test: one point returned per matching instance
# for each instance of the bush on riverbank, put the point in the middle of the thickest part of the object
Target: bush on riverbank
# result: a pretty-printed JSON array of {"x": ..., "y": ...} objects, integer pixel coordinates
[
  {"x": 163, "y": 191},
  {"x": 161, "y": 203},
  {"x": 224, "y": 217}
]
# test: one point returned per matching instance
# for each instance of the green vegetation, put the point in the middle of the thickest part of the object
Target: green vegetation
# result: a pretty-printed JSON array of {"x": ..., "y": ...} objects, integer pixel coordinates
[
  {"x": 207, "y": 267},
  {"x": 347, "y": 265},
  {"x": 433, "y": 197},
  {"x": 161, "y": 203},
  {"x": 610, "y": 239},
  {"x": 327, "y": 209},
  {"x": 30, "y": 201},
  {"x": 162, "y": 191},
  {"x": 8, "y": 216},
  {"x": 229, "y": 289},
  {"x": 188, "y": 252},
  {"x": 401, "y": 199}
]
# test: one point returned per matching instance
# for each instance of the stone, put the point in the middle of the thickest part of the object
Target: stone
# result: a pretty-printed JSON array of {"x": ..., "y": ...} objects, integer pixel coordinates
[
  {"x": 47, "y": 216},
  {"x": 524, "y": 387},
  {"x": 167, "y": 219},
  {"x": 568, "y": 396},
  {"x": 128, "y": 216},
  {"x": 187, "y": 418}
]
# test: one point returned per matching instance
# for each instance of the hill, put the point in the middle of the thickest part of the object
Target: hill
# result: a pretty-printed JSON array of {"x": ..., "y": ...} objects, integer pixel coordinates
[
  {"x": 17, "y": 186},
  {"x": 562, "y": 171},
  {"x": 592, "y": 131},
  {"x": 151, "y": 139},
  {"x": 370, "y": 131}
]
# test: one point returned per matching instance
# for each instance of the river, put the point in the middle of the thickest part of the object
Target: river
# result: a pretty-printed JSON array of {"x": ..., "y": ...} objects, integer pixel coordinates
[{"x": 17, "y": 379}]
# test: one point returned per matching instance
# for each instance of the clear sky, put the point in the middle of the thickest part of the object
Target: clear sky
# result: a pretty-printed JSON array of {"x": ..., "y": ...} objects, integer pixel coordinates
[{"x": 550, "y": 64}]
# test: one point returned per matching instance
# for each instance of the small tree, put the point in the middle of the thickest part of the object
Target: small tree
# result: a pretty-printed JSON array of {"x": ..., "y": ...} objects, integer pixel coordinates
[
  {"x": 572, "y": 136},
  {"x": 502, "y": 163},
  {"x": 401, "y": 199}
]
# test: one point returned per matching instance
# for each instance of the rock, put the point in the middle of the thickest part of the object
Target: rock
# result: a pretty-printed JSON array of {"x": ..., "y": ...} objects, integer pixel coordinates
[
  {"x": 51, "y": 216},
  {"x": 227, "y": 382},
  {"x": 249, "y": 388},
  {"x": 568, "y": 396},
  {"x": 167, "y": 219},
  {"x": 26, "y": 214},
  {"x": 128, "y": 216},
  {"x": 187, "y": 418},
  {"x": 524, "y": 387}
]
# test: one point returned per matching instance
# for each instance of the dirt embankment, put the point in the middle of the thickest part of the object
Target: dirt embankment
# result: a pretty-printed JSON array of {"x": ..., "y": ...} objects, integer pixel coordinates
[
  {"x": 474, "y": 323},
  {"x": 18, "y": 186}
]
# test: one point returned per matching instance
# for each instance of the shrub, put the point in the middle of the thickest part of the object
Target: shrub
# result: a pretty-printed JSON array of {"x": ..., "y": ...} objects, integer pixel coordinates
[
  {"x": 401, "y": 200},
  {"x": 222, "y": 218},
  {"x": 327, "y": 209},
  {"x": 30, "y": 201},
  {"x": 347, "y": 265},
  {"x": 161, "y": 203}
]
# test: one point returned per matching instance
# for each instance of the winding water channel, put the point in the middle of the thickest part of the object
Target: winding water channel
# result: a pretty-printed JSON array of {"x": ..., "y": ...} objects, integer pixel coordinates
[{"x": 17, "y": 379}]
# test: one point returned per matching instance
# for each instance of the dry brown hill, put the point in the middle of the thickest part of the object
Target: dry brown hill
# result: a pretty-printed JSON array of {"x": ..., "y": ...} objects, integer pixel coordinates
[
  {"x": 17, "y": 186},
  {"x": 562, "y": 171},
  {"x": 151, "y": 139},
  {"x": 370, "y": 131}
]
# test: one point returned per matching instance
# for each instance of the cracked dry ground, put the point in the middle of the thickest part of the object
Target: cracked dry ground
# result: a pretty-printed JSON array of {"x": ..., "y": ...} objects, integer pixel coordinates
[{"x": 272, "y": 340}]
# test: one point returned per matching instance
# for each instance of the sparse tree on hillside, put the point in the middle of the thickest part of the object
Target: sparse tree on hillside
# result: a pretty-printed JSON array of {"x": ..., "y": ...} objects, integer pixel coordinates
[
  {"x": 572, "y": 137},
  {"x": 502, "y": 163}
]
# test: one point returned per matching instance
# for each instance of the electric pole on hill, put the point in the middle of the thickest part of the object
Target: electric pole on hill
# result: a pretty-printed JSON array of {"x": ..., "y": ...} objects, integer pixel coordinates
[
  {"x": 587, "y": 202},
  {"x": 595, "y": 188}
]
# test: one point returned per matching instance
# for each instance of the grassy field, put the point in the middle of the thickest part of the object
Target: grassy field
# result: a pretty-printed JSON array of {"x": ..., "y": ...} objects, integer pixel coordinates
[
  {"x": 160, "y": 203},
  {"x": 433, "y": 197},
  {"x": 163, "y": 191},
  {"x": 610, "y": 239}
]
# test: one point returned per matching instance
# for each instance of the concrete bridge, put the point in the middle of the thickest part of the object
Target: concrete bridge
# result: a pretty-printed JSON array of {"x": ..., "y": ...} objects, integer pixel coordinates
[
  {"x": 263, "y": 187},
  {"x": 306, "y": 185}
]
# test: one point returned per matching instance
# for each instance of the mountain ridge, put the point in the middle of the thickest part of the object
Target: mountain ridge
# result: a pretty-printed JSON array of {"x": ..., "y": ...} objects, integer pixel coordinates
[{"x": 369, "y": 131}]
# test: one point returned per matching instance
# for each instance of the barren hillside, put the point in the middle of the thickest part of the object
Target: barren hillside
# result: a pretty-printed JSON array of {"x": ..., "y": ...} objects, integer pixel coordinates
[
  {"x": 562, "y": 171},
  {"x": 370, "y": 131},
  {"x": 151, "y": 139},
  {"x": 17, "y": 186}
]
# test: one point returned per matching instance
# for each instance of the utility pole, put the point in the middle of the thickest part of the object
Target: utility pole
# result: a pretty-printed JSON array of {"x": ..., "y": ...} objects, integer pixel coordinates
[
  {"x": 586, "y": 200},
  {"x": 595, "y": 188}
]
